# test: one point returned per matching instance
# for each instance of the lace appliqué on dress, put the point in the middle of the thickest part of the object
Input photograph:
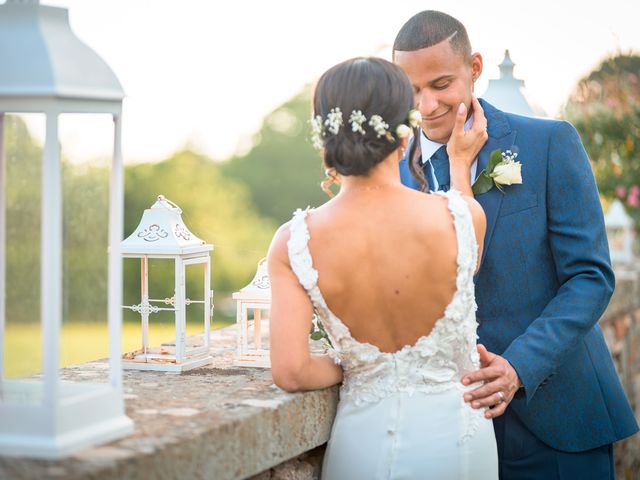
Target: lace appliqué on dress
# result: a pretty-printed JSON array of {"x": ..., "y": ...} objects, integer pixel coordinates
[{"x": 436, "y": 362}]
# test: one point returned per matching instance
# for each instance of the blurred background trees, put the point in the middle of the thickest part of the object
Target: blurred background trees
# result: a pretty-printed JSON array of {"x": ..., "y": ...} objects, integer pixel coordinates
[{"x": 605, "y": 109}]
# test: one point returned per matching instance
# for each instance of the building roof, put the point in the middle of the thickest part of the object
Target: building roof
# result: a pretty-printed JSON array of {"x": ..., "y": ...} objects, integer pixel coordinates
[{"x": 508, "y": 93}]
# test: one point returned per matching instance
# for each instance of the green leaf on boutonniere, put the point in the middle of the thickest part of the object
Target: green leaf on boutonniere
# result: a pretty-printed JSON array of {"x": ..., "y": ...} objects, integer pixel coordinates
[{"x": 484, "y": 182}]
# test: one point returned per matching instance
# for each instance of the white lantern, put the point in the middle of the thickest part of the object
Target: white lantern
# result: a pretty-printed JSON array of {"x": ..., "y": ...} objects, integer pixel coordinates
[
  {"x": 46, "y": 70},
  {"x": 620, "y": 233},
  {"x": 162, "y": 234},
  {"x": 253, "y": 301}
]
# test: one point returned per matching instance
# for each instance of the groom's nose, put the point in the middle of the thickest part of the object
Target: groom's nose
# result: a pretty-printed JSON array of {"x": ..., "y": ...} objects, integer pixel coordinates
[{"x": 427, "y": 103}]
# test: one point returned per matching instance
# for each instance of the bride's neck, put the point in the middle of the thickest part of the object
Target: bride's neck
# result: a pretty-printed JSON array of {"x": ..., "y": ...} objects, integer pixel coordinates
[{"x": 384, "y": 174}]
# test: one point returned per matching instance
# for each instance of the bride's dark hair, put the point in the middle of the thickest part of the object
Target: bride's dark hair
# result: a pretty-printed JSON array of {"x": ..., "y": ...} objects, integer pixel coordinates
[{"x": 375, "y": 87}]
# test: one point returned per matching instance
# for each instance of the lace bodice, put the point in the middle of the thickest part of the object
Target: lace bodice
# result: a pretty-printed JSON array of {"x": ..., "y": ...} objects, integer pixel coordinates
[{"x": 437, "y": 361}]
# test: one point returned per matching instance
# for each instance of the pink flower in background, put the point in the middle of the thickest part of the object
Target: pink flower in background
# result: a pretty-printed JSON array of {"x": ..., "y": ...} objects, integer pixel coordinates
[
  {"x": 633, "y": 200},
  {"x": 621, "y": 192}
]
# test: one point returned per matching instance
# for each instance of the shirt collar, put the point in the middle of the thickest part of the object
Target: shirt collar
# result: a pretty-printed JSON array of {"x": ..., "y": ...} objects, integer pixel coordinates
[{"x": 429, "y": 147}]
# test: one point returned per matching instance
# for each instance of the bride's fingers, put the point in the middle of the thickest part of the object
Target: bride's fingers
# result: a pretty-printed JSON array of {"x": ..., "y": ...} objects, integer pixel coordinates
[{"x": 461, "y": 117}]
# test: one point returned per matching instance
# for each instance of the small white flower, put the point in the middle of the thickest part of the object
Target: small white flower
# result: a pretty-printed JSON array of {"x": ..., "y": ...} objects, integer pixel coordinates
[
  {"x": 317, "y": 132},
  {"x": 356, "y": 119},
  {"x": 379, "y": 125},
  {"x": 507, "y": 172},
  {"x": 334, "y": 121},
  {"x": 415, "y": 118},
  {"x": 403, "y": 131}
]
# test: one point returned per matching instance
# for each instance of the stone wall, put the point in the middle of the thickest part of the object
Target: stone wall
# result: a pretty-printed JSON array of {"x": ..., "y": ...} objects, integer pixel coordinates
[
  {"x": 224, "y": 422},
  {"x": 621, "y": 327}
]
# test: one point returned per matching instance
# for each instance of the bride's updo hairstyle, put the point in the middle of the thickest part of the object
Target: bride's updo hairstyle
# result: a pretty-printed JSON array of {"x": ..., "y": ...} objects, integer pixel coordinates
[{"x": 374, "y": 87}]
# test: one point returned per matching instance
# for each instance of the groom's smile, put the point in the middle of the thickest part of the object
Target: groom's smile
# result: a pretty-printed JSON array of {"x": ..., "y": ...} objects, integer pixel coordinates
[{"x": 442, "y": 79}]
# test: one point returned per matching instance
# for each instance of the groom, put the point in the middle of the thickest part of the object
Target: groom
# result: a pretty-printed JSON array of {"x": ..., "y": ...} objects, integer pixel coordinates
[{"x": 545, "y": 277}]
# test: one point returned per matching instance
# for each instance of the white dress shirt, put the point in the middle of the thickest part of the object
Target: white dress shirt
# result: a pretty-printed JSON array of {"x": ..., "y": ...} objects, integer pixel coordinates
[{"x": 429, "y": 147}]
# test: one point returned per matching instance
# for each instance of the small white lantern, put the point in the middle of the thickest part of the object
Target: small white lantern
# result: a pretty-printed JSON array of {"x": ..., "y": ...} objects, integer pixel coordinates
[
  {"x": 162, "y": 234},
  {"x": 253, "y": 299},
  {"x": 620, "y": 232},
  {"x": 45, "y": 69}
]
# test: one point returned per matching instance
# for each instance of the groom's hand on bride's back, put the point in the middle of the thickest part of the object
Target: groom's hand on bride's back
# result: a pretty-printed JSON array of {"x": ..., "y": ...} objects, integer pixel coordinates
[{"x": 501, "y": 382}]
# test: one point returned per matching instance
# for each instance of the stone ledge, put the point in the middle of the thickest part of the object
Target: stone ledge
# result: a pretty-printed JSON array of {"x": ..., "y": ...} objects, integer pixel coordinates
[{"x": 218, "y": 421}]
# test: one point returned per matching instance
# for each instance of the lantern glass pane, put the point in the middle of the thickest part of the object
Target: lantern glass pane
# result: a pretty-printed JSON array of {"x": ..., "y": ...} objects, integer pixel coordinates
[
  {"x": 22, "y": 349},
  {"x": 86, "y": 154},
  {"x": 195, "y": 294},
  {"x": 258, "y": 335},
  {"x": 161, "y": 324}
]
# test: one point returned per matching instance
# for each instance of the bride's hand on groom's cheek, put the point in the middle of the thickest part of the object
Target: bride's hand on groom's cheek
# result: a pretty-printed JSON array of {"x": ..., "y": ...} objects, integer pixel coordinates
[
  {"x": 464, "y": 146},
  {"x": 501, "y": 383}
]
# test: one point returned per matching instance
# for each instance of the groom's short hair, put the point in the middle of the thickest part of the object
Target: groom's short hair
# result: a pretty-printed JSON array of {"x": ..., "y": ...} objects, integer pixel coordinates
[{"x": 428, "y": 28}]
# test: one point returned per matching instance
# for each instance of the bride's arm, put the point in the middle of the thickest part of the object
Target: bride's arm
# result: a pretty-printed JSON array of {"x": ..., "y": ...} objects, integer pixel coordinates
[
  {"x": 293, "y": 367},
  {"x": 463, "y": 147}
]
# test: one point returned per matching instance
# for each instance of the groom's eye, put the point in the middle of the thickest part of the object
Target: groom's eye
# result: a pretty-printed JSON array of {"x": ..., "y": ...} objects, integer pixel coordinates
[{"x": 441, "y": 86}]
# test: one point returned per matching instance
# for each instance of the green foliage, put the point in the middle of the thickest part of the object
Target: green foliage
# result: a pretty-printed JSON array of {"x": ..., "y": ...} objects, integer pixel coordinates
[
  {"x": 605, "y": 109},
  {"x": 282, "y": 170},
  {"x": 22, "y": 195},
  {"x": 485, "y": 181}
]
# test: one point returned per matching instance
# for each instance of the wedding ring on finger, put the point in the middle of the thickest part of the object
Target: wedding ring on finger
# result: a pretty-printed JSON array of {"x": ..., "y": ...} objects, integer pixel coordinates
[{"x": 501, "y": 395}]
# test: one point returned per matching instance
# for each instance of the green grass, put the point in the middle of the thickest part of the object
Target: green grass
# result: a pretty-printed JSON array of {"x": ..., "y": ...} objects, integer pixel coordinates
[{"x": 81, "y": 342}]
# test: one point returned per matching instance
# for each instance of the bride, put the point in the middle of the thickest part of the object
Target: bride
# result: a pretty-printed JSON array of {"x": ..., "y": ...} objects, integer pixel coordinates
[{"x": 389, "y": 272}]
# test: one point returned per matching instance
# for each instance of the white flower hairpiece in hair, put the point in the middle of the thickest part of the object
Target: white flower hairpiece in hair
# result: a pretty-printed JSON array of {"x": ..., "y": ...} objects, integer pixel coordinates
[
  {"x": 379, "y": 125},
  {"x": 334, "y": 121},
  {"x": 357, "y": 119},
  {"x": 317, "y": 132},
  {"x": 415, "y": 118},
  {"x": 403, "y": 131}
]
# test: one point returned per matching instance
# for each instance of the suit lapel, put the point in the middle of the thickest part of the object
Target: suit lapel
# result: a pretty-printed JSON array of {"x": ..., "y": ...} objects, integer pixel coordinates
[{"x": 502, "y": 138}]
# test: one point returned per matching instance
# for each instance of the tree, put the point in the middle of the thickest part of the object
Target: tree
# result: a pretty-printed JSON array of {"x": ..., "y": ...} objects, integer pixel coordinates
[
  {"x": 282, "y": 170},
  {"x": 605, "y": 109}
]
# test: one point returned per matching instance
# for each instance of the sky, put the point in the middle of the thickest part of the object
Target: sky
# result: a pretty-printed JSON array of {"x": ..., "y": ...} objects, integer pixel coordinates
[{"x": 204, "y": 73}]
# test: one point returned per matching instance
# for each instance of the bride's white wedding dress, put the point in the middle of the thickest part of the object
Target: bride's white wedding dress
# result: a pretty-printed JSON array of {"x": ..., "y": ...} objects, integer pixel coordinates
[{"x": 401, "y": 415}]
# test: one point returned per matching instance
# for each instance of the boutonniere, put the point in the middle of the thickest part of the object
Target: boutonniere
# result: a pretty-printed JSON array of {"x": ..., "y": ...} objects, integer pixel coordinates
[{"x": 501, "y": 170}]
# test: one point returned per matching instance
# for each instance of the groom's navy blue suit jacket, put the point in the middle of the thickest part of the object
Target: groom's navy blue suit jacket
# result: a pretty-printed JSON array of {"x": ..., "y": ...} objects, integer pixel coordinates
[{"x": 544, "y": 281}]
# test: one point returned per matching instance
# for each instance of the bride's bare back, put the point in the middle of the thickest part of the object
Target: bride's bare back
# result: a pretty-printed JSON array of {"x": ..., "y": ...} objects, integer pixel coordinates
[{"x": 387, "y": 262}]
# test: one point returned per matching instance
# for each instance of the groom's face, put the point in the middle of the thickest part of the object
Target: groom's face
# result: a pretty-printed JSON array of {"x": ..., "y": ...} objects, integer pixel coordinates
[{"x": 442, "y": 79}]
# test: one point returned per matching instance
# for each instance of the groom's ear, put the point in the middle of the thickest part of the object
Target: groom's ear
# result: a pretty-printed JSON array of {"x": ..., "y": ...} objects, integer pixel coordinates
[{"x": 476, "y": 66}]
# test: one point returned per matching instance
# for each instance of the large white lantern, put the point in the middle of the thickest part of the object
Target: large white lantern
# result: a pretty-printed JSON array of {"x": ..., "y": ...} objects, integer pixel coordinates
[
  {"x": 162, "y": 234},
  {"x": 46, "y": 71},
  {"x": 253, "y": 304},
  {"x": 620, "y": 233}
]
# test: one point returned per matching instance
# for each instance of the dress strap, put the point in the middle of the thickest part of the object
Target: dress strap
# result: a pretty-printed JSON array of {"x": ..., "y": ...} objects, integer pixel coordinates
[
  {"x": 302, "y": 266},
  {"x": 467, "y": 258}
]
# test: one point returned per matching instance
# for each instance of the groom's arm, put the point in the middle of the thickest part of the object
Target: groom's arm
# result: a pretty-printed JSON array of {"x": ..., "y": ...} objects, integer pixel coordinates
[{"x": 578, "y": 241}]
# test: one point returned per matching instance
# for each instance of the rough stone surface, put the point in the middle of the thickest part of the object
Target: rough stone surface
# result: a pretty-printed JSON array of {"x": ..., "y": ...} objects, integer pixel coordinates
[{"x": 216, "y": 422}]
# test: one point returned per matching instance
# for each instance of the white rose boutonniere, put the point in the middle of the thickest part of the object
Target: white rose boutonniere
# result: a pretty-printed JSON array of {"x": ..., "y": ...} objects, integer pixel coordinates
[{"x": 501, "y": 170}]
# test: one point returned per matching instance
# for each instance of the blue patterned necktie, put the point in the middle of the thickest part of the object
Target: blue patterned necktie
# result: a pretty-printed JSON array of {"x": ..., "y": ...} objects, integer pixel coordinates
[{"x": 440, "y": 162}]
